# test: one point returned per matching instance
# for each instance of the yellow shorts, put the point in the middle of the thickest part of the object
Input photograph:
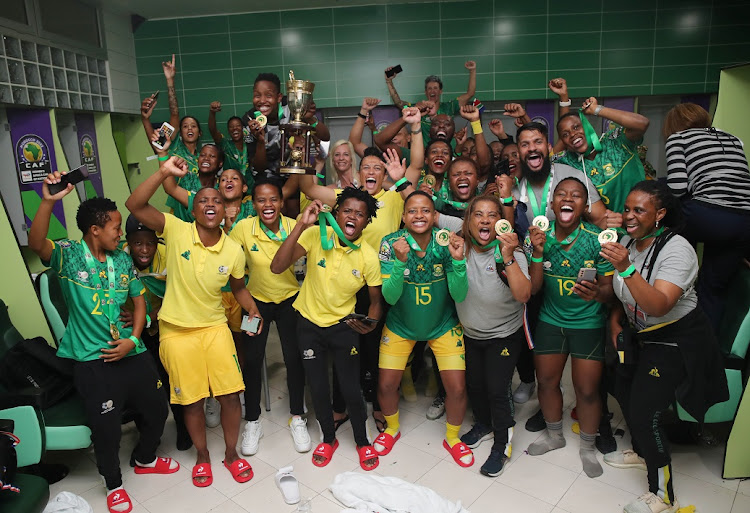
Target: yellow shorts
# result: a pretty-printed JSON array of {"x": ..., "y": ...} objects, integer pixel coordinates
[
  {"x": 200, "y": 362},
  {"x": 232, "y": 310},
  {"x": 448, "y": 349}
]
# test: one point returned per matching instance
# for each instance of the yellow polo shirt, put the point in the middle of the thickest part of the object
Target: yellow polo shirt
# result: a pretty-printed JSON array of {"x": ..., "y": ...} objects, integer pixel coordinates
[
  {"x": 333, "y": 278},
  {"x": 388, "y": 220},
  {"x": 196, "y": 275},
  {"x": 259, "y": 252}
]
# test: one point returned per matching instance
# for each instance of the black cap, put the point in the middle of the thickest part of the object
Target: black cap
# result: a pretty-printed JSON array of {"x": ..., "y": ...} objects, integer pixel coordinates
[{"x": 133, "y": 225}]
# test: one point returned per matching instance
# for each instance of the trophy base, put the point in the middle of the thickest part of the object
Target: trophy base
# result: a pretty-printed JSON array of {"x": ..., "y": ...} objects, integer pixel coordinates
[{"x": 296, "y": 170}]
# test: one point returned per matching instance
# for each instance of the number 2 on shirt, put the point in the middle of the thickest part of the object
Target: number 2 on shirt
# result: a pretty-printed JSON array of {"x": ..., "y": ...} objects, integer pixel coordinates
[
  {"x": 422, "y": 295},
  {"x": 97, "y": 304},
  {"x": 566, "y": 286}
]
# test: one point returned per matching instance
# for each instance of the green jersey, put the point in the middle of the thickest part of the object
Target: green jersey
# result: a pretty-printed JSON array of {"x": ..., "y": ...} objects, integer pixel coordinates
[
  {"x": 614, "y": 170},
  {"x": 421, "y": 290},
  {"x": 561, "y": 306},
  {"x": 87, "y": 332},
  {"x": 190, "y": 181},
  {"x": 237, "y": 159},
  {"x": 450, "y": 108}
]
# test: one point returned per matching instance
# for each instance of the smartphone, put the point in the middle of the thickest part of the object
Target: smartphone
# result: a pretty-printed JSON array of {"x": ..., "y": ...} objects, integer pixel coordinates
[
  {"x": 155, "y": 96},
  {"x": 502, "y": 168},
  {"x": 250, "y": 325},
  {"x": 586, "y": 274},
  {"x": 73, "y": 177},
  {"x": 394, "y": 71},
  {"x": 165, "y": 134},
  {"x": 360, "y": 317}
]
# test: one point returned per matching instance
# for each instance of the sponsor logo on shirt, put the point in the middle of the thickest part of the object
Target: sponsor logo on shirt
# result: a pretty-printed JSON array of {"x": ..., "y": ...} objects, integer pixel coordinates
[
  {"x": 505, "y": 352},
  {"x": 254, "y": 248},
  {"x": 490, "y": 268},
  {"x": 385, "y": 252},
  {"x": 420, "y": 267},
  {"x": 565, "y": 263},
  {"x": 64, "y": 244},
  {"x": 308, "y": 354},
  {"x": 186, "y": 255},
  {"x": 107, "y": 406},
  {"x": 353, "y": 351},
  {"x": 223, "y": 270},
  {"x": 356, "y": 273},
  {"x": 385, "y": 340},
  {"x": 654, "y": 372},
  {"x": 322, "y": 263},
  {"x": 83, "y": 276}
]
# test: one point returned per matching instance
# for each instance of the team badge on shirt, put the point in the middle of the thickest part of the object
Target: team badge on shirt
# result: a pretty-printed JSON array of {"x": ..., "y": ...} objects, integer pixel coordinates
[
  {"x": 223, "y": 270},
  {"x": 64, "y": 244},
  {"x": 356, "y": 273},
  {"x": 123, "y": 280},
  {"x": 589, "y": 264},
  {"x": 254, "y": 248},
  {"x": 308, "y": 354},
  {"x": 186, "y": 255},
  {"x": 83, "y": 276},
  {"x": 385, "y": 252},
  {"x": 437, "y": 270}
]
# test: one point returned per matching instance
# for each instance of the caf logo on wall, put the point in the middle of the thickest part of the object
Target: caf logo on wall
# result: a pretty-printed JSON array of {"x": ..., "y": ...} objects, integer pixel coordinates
[
  {"x": 88, "y": 154},
  {"x": 32, "y": 157}
]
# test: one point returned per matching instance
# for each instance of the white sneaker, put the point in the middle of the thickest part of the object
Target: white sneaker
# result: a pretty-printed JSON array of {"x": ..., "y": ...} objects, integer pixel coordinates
[
  {"x": 523, "y": 392},
  {"x": 251, "y": 437},
  {"x": 625, "y": 459},
  {"x": 213, "y": 412},
  {"x": 298, "y": 427},
  {"x": 650, "y": 503},
  {"x": 436, "y": 409}
]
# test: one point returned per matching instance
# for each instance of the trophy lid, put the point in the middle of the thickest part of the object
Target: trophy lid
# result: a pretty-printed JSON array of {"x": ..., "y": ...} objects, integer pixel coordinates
[{"x": 303, "y": 86}]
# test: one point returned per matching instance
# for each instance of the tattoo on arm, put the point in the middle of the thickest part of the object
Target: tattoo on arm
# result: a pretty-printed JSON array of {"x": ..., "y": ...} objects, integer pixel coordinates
[{"x": 173, "y": 109}]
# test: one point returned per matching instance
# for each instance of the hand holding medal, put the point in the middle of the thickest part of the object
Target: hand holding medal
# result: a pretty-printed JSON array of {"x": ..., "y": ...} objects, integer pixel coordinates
[
  {"x": 456, "y": 246},
  {"x": 541, "y": 222},
  {"x": 607, "y": 235}
]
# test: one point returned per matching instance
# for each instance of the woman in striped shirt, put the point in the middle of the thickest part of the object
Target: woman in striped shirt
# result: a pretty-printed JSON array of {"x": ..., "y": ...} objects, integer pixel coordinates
[{"x": 708, "y": 169}]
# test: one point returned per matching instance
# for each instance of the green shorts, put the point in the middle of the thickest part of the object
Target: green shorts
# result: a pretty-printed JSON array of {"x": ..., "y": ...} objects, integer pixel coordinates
[{"x": 586, "y": 344}]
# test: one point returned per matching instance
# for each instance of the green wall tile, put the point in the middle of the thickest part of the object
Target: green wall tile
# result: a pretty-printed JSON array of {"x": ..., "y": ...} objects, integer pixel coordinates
[
  {"x": 466, "y": 28},
  {"x": 419, "y": 67},
  {"x": 580, "y": 6},
  {"x": 255, "y": 39},
  {"x": 195, "y": 98},
  {"x": 729, "y": 53},
  {"x": 466, "y": 9},
  {"x": 254, "y": 21},
  {"x": 189, "y": 27},
  {"x": 528, "y": 7},
  {"x": 686, "y": 88},
  {"x": 523, "y": 80},
  {"x": 155, "y": 47},
  {"x": 628, "y": 21},
  {"x": 730, "y": 14},
  {"x": 628, "y": 39},
  {"x": 358, "y": 15},
  {"x": 730, "y": 34},
  {"x": 303, "y": 36},
  {"x": 148, "y": 65},
  {"x": 573, "y": 60},
  {"x": 255, "y": 58},
  {"x": 690, "y": 36},
  {"x": 418, "y": 48},
  {"x": 676, "y": 56},
  {"x": 520, "y": 44},
  {"x": 518, "y": 25},
  {"x": 308, "y": 55},
  {"x": 567, "y": 23},
  {"x": 454, "y": 64},
  {"x": 629, "y": 90},
  {"x": 154, "y": 83},
  {"x": 575, "y": 42},
  {"x": 630, "y": 5},
  {"x": 157, "y": 28},
  {"x": 324, "y": 89},
  {"x": 469, "y": 47},
  {"x": 411, "y": 30},
  {"x": 625, "y": 76},
  {"x": 627, "y": 58},
  {"x": 360, "y": 33},
  {"x": 683, "y": 18},
  {"x": 363, "y": 70},
  {"x": 416, "y": 13},
  {"x": 206, "y": 61},
  {"x": 679, "y": 74},
  {"x": 218, "y": 78},
  {"x": 307, "y": 18},
  {"x": 243, "y": 95},
  {"x": 247, "y": 75},
  {"x": 507, "y": 95},
  {"x": 202, "y": 44},
  {"x": 358, "y": 51},
  {"x": 521, "y": 62},
  {"x": 577, "y": 79},
  {"x": 458, "y": 83}
]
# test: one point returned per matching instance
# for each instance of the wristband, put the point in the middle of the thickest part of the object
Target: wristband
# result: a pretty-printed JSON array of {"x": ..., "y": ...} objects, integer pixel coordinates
[
  {"x": 402, "y": 180},
  {"x": 598, "y": 109},
  {"x": 363, "y": 116},
  {"x": 165, "y": 157},
  {"x": 565, "y": 104},
  {"x": 457, "y": 153},
  {"x": 148, "y": 321},
  {"x": 476, "y": 127},
  {"x": 537, "y": 260},
  {"x": 510, "y": 262},
  {"x": 507, "y": 201},
  {"x": 627, "y": 273},
  {"x": 415, "y": 132},
  {"x": 135, "y": 340},
  {"x": 321, "y": 176},
  {"x": 375, "y": 132},
  {"x": 314, "y": 124},
  {"x": 403, "y": 186}
]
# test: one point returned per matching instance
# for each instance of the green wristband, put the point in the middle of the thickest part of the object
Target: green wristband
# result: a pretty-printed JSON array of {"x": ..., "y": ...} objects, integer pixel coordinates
[
  {"x": 537, "y": 260},
  {"x": 627, "y": 273},
  {"x": 401, "y": 181},
  {"x": 321, "y": 176},
  {"x": 148, "y": 321},
  {"x": 507, "y": 201},
  {"x": 135, "y": 340},
  {"x": 165, "y": 157}
]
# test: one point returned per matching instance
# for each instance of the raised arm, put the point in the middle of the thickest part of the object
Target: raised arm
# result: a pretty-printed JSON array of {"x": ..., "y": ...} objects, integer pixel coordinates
[
  {"x": 138, "y": 204},
  {"x": 321, "y": 130},
  {"x": 389, "y": 132},
  {"x": 635, "y": 124},
  {"x": 147, "y": 108},
  {"x": 484, "y": 155},
  {"x": 560, "y": 87},
  {"x": 216, "y": 135},
  {"x": 472, "y": 88},
  {"x": 355, "y": 135},
  {"x": 397, "y": 101},
  {"x": 290, "y": 251},
  {"x": 413, "y": 118},
  {"x": 38, "y": 242},
  {"x": 308, "y": 185},
  {"x": 170, "y": 183},
  {"x": 170, "y": 70}
]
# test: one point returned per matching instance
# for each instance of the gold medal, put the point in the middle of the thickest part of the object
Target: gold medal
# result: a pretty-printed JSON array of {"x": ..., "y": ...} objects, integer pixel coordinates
[
  {"x": 442, "y": 237},
  {"x": 326, "y": 208},
  {"x": 114, "y": 332},
  {"x": 262, "y": 120},
  {"x": 607, "y": 235},
  {"x": 541, "y": 222},
  {"x": 430, "y": 180},
  {"x": 503, "y": 226}
]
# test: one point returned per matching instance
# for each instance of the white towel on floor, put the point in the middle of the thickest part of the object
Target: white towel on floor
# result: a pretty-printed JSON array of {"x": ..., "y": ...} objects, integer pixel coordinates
[{"x": 372, "y": 493}]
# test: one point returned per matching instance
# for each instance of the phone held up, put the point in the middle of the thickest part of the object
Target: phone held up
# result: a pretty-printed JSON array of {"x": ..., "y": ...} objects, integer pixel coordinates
[
  {"x": 73, "y": 177},
  {"x": 165, "y": 134},
  {"x": 586, "y": 274},
  {"x": 394, "y": 71},
  {"x": 250, "y": 325}
]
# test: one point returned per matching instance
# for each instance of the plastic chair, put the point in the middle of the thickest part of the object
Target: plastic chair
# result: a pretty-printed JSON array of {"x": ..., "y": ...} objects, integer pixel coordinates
[{"x": 734, "y": 338}]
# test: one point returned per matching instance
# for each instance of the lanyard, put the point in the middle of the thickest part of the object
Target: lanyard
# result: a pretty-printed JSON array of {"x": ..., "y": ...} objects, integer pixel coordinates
[
  {"x": 445, "y": 194},
  {"x": 326, "y": 219},
  {"x": 552, "y": 241},
  {"x": 590, "y": 134},
  {"x": 414, "y": 246},
  {"x": 655, "y": 233},
  {"x": 111, "y": 310},
  {"x": 494, "y": 244},
  {"x": 272, "y": 235},
  {"x": 527, "y": 194}
]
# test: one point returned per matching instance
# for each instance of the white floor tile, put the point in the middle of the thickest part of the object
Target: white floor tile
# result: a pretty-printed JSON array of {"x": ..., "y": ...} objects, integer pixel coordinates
[
  {"x": 744, "y": 487},
  {"x": 498, "y": 495},
  {"x": 704, "y": 463},
  {"x": 97, "y": 499},
  {"x": 406, "y": 462},
  {"x": 629, "y": 479},
  {"x": 187, "y": 497},
  {"x": 529, "y": 472},
  {"x": 265, "y": 497},
  {"x": 229, "y": 507},
  {"x": 277, "y": 449},
  {"x": 741, "y": 504},
  {"x": 318, "y": 478},
  {"x": 454, "y": 483},
  {"x": 704, "y": 496},
  {"x": 428, "y": 437},
  {"x": 143, "y": 487},
  {"x": 588, "y": 495}
]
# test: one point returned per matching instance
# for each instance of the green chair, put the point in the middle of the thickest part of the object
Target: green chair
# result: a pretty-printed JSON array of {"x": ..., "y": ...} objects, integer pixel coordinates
[
  {"x": 64, "y": 423},
  {"x": 28, "y": 427},
  {"x": 734, "y": 338},
  {"x": 47, "y": 286}
]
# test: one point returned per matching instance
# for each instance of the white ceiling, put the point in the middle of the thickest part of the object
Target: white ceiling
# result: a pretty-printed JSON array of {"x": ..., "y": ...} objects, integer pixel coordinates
[{"x": 154, "y": 9}]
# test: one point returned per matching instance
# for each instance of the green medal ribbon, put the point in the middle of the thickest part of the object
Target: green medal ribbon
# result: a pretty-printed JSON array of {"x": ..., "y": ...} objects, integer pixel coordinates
[
  {"x": 414, "y": 246},
  {"x": 445, "y": 195},
  {"x": 590, "y": 133},
  {"x": 495, "y": 244},
  {"x": 272, "y": 235},
  {"x": 539, "y": 209},
  {"x": 655, "y": 233},
  {"x": 326, "y": 219},
  {"x": 111, "y": 309},
  {"x": 552, "y": 241}
]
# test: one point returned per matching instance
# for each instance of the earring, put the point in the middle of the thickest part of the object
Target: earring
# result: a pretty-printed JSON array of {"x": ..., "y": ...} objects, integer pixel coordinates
[{"x": 657, "y": 223}]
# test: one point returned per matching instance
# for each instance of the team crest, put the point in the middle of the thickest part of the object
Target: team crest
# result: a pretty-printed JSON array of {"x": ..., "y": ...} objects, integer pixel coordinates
[
  {"x": 437, "y": 270},
  {"x": 223, "y": 270},
  {"x": 254, "y": 248},
  {"x": 356, "y": 273},
  {"x": 609, "y": 169},
  {"x": 385, "y": 340},
  {"x": 407, "y": 272},
  {"x": 385, "y": 252},
  {"x": 547, "y": 265},
  {"x": 124, "y": 280},
  {"x": 64, "y": 244},
  {"x": 588, "y": 264},
  {"x": 83, "y": 276}
]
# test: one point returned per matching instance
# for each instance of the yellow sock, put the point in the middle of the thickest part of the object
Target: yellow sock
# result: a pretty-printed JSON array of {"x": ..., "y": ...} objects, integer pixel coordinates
[
  {"x": 451, "y": 434},
  {"x": 393, "y": 424}
]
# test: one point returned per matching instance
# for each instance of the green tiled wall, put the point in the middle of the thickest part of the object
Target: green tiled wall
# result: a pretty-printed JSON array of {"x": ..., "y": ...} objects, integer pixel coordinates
[{"x": 602, "y": 47}]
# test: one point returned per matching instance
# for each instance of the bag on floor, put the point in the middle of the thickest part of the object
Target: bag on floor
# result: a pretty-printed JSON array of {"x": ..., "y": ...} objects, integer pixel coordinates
[{"x": 8, "y": 461}]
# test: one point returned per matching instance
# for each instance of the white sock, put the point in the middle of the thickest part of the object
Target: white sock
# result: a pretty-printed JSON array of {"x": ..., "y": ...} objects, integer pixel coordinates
[
  {"x": 172, "y": 464},
  {"x": 119, "y": 507}
]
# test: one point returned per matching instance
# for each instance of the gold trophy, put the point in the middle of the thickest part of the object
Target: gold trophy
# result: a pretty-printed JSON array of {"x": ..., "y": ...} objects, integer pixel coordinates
[{"x": 296, "y": 136}]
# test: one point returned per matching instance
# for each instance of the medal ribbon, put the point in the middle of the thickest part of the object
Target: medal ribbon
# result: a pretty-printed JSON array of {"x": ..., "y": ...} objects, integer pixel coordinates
[
  {"x": 272, "y": 235},
  {"x": 590, "y": 134},
  {"x": 111, "y": 310},
  {"x": 494, "y": 244},
  {"x": 414, "y": 246},
  {"x": 540, "y": 209},
  {"x": 656, "y": 233},
  {"x": 326, "y": 219},
  {"x": 552, "y": 241}
]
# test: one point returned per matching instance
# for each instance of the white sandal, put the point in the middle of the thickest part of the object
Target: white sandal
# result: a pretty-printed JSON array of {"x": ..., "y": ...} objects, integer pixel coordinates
[{"x": 288, "y": 485}]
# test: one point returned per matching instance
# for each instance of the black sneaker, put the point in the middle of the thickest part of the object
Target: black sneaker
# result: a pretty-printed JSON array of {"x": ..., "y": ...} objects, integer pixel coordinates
[
  {"x": 476, "y": 435},
  {"x": 605, "y": 440},
  {"x": 536, "y": 422},
  {"x": 494, "y": 465}
]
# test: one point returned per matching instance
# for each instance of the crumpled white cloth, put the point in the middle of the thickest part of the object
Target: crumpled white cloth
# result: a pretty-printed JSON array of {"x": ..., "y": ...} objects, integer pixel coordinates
[
  {"x": 372, "y": 493},
  {"x": 67, "y": 502}
]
